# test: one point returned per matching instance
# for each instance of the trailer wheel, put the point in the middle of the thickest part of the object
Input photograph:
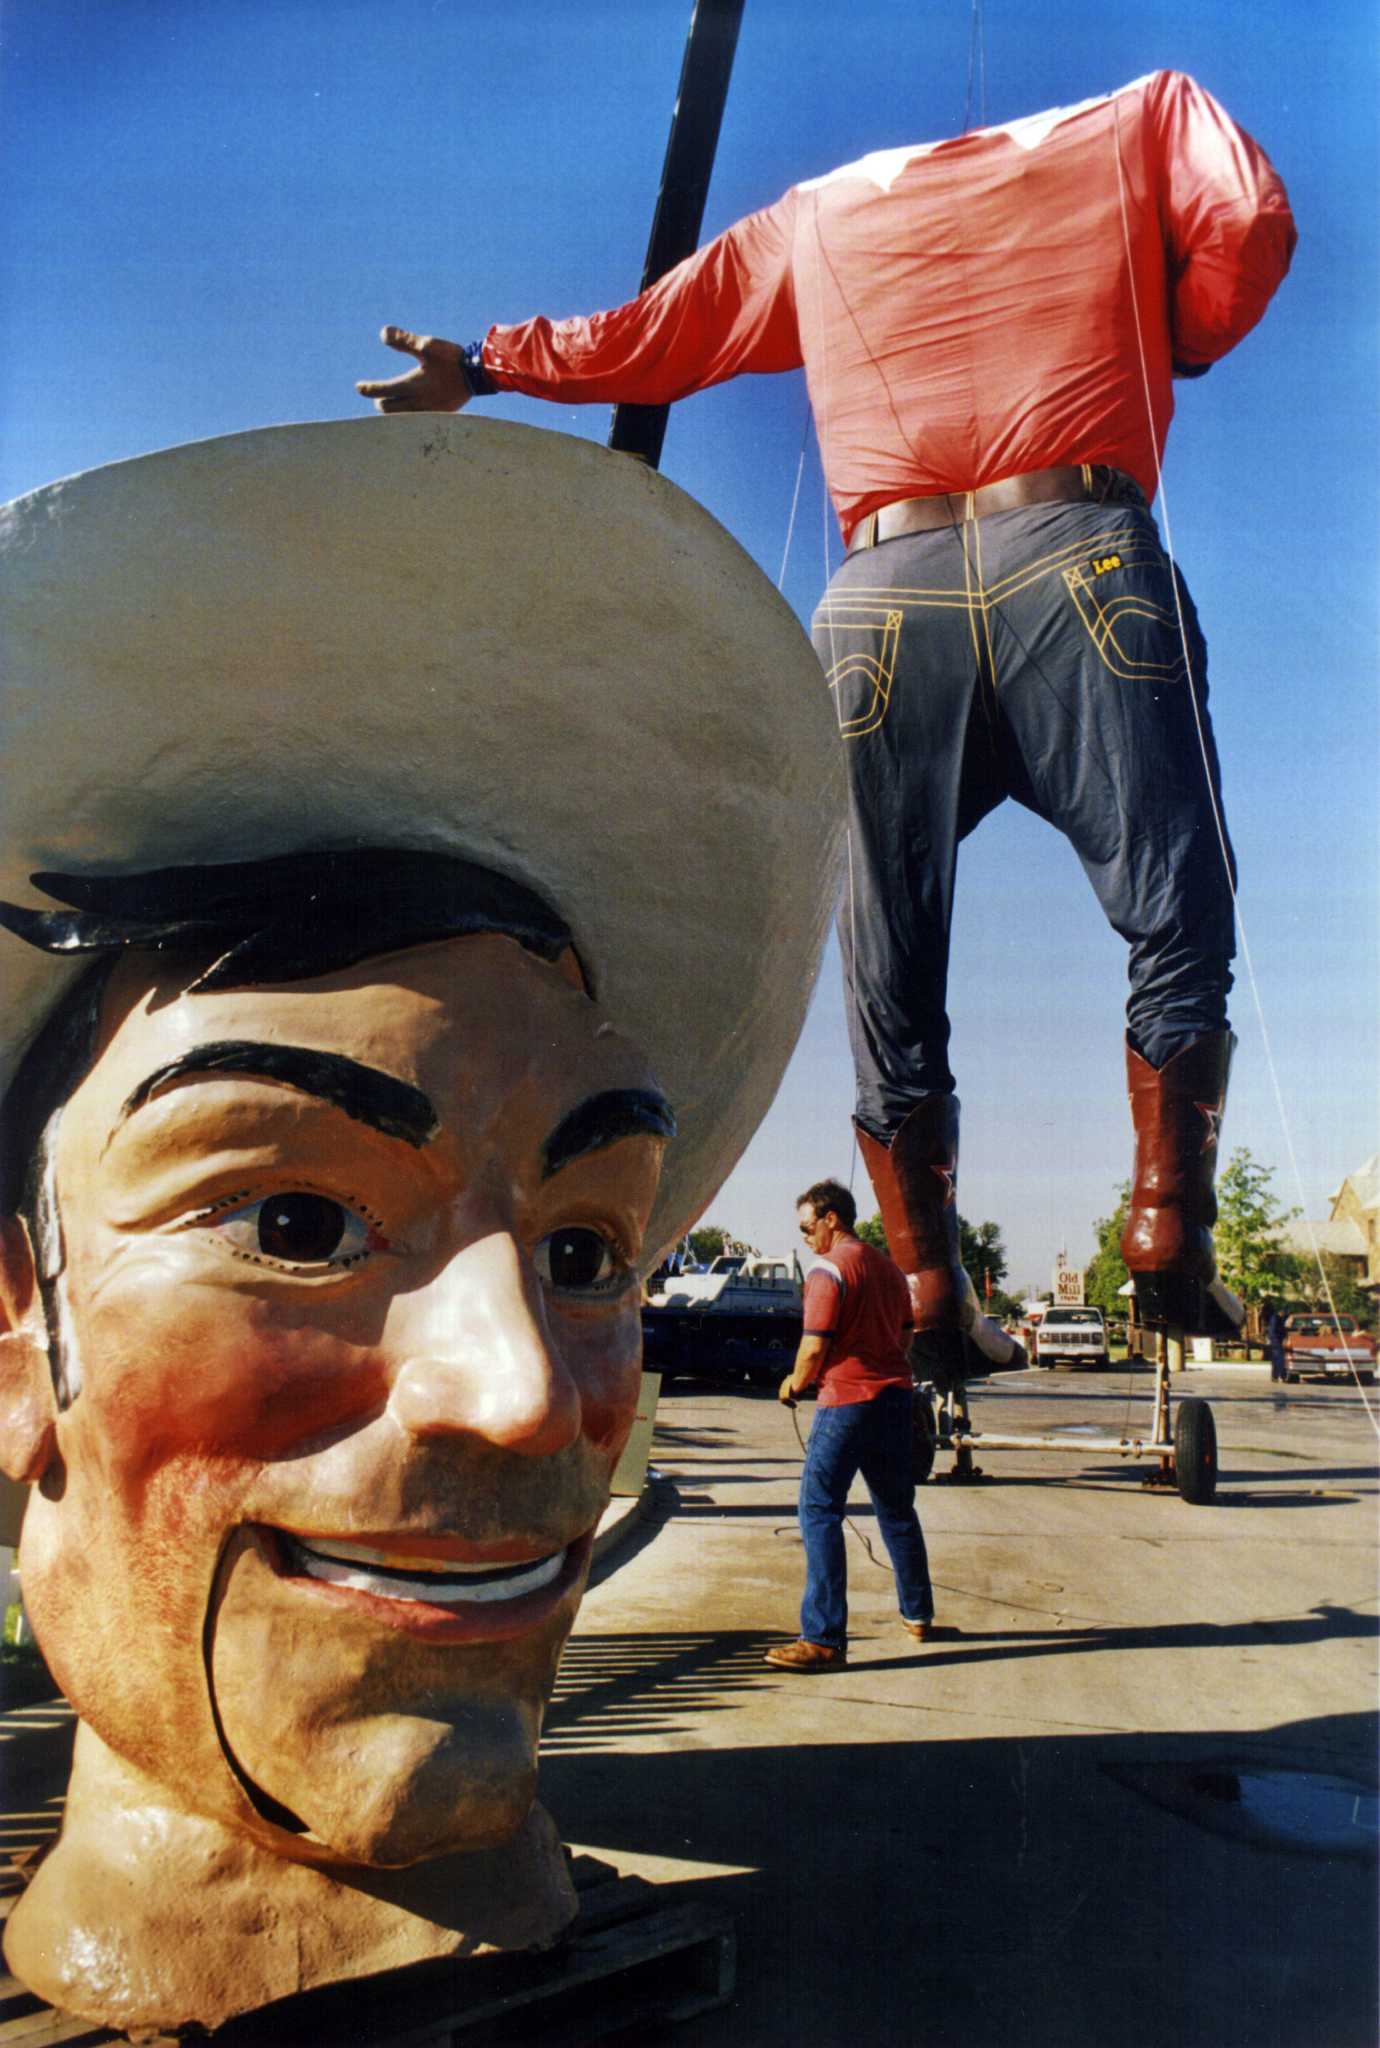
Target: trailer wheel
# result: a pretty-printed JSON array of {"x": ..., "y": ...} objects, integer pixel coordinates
[
  {"x": 924, "y": 1438},
  {"x": 1195, "y": 1452}
]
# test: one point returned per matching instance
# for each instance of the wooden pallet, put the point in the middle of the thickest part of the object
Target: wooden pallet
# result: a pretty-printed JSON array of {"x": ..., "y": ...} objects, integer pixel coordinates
[{"x": 629, "y": 1962}]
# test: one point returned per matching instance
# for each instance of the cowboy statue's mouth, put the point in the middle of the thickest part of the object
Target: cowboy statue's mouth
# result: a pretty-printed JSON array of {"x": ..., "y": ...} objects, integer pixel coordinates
[{"x": 432, "y": 1581}]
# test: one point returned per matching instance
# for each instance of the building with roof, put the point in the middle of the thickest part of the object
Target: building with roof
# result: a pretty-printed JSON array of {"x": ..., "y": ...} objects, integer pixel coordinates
[{"x": 1352, "y": 1231}]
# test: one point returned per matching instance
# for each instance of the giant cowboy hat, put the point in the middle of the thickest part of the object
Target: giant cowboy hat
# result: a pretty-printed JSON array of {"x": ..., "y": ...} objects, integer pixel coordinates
[{"x": 443, "y": 634}]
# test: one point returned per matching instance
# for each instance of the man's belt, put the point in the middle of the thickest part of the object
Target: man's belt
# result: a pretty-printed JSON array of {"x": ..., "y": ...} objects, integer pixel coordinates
[{"x": 1087, "y": 480}]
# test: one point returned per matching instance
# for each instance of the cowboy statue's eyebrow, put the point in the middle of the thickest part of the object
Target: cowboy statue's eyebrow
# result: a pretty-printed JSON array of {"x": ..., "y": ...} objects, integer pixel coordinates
[
  {"x": 602, "y": 1120},
  {"x": 364, "y": 1093}
]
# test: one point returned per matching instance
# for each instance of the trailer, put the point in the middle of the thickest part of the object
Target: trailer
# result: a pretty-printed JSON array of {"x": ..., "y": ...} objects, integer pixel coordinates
[{"x": 1181, "y": 1437}]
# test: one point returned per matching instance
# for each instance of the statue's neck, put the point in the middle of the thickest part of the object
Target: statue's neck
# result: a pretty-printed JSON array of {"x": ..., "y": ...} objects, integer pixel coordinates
[{"x": 145, "y": 1915}]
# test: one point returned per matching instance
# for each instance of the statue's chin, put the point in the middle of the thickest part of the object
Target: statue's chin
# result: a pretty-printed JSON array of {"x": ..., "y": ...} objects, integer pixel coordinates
[
  {"x": 373, "y": 1744},
  {"x": 393, "y": 1792},
  {"x": 423, "y": 1819}
]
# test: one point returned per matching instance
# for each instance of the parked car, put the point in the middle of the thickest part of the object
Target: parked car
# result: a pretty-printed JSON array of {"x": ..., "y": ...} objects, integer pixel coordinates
[
  {"x": 1328, "y": 1347},
  {"x": 1071, "y": 1336}
]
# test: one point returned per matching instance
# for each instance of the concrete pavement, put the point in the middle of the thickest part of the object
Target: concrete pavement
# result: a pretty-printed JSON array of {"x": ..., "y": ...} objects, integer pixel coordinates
[
  {"x": 1128, "y": 1800},
  {"x": 1124, "y": 1800}
]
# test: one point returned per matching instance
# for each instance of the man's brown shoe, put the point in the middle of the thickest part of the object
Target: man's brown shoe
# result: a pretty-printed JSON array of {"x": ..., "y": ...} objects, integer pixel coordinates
[
  {"x": 921, "y": 1630},
  {"x": 803, "y": 1656}
]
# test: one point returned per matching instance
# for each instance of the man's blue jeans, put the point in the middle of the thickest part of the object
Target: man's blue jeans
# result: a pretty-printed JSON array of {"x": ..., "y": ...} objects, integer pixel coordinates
[{"x": 874, "y": 1438}]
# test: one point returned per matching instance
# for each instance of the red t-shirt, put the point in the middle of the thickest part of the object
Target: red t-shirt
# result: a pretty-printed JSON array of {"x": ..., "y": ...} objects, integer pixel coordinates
[
  {"x": 965, "y": 310},
  {"x": 859, "y": 1298}
]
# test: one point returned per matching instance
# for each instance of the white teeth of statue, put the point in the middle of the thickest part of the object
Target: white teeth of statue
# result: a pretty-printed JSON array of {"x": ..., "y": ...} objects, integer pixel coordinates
[{"x": 439, "y": 1584}]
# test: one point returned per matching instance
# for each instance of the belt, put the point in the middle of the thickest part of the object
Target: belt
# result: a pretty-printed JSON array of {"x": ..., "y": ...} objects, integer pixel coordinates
[{"x": 1094, "y": 480}]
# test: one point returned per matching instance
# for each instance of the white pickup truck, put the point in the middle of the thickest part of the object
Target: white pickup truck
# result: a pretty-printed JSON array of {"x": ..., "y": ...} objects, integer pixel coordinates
[{"x": 1071, "y": 1336}]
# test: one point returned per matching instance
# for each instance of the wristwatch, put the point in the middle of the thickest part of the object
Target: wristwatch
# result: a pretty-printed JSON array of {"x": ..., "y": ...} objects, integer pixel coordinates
[{"x": 477, "y": 377}]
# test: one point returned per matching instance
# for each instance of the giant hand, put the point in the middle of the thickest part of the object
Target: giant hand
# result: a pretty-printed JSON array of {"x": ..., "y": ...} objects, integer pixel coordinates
[{"x": 438, "y": 382}]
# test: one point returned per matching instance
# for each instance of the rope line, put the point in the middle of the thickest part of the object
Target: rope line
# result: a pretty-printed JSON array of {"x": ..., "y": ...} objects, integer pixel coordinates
[
  {"x": 795, "y": 501},
  {"x": 977, "y": 60}
]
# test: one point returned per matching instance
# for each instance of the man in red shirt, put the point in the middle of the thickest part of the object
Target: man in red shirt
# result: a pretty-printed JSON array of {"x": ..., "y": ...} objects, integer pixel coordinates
[
  {"x": 855, "y": 1342},
  {"x": 990, "y": 327}
]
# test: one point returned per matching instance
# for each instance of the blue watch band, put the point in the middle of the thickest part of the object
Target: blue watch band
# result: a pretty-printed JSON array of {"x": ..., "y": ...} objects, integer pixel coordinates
[{"x": 481, "y": 383}]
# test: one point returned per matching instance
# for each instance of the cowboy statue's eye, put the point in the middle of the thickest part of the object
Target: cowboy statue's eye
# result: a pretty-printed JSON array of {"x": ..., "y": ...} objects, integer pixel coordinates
[
  {"x": 577, "y": 1261},
  {"x": 298, "y": 1229},
  {"x": 301, "y": 1227}
]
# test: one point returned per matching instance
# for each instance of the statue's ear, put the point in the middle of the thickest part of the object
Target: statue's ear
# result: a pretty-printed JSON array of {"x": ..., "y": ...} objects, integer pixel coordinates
[{"x": 28, "y": 1407}]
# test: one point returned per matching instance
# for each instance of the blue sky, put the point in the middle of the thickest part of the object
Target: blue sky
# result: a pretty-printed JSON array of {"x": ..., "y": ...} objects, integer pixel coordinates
[{"x": 210, "y": 210}]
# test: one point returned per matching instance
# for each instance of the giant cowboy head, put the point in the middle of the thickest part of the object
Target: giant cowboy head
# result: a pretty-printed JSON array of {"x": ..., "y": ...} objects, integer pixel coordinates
[{"x": 419, "y": 841}]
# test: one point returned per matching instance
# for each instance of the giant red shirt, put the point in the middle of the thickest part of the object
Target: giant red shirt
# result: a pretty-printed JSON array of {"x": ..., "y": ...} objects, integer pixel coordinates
[
  {"x": 965, "y": 310},
  {"x": 858, "y": 1299}
]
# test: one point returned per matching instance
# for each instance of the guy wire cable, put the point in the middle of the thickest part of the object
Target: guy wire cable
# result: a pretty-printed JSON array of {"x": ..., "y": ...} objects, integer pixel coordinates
[
  {"x": 1218, "y": 821},
  {"x": 977, "y": 59},
  {"x": 795, "y": 500}
]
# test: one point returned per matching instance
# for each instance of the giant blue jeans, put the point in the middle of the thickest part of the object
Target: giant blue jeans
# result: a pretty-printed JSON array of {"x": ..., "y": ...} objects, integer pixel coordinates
[
  {"x": 1035, "y": 654},
  {"x": 874, "y": 1438}
]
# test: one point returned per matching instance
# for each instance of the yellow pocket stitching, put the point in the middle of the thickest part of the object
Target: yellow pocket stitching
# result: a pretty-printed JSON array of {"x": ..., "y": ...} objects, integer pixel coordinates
[
  {"x": 1102, "y": 620},
  {"x": 880, "y": 672}
]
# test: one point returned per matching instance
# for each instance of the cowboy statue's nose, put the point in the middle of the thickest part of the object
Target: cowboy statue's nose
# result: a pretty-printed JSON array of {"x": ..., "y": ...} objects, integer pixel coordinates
[{"x": 476, "y": 1357}]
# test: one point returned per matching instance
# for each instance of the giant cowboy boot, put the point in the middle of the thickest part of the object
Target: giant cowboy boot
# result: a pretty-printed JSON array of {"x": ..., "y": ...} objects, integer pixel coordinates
[
  {"x": 915, "y": 1180},
  {"x": 1167, "y": 1241}
]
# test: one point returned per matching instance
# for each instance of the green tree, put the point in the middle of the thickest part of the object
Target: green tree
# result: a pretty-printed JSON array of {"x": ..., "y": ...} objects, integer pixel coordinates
[
  {"x": 1250, "y": 1257},
  {"x": 983, "y": 1254},
  {"x": 980, "y": 1248},
  {"x": 870, "y": 1229},
  {"x": 707, "y": 1242},
  {"x": 1106, "y": 1276}
]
